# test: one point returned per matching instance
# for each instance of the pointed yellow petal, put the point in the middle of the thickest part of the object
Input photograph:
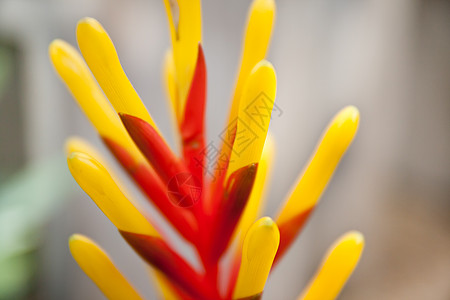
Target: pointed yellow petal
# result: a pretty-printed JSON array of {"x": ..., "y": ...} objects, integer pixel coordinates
[
  {"x": 255, "y": 202},
  {"x": 95, "y": 180},
  {"x": 260, "y": 22},
  {"x": 260, "y": 247},
  {"x": 77, "y": 144},
  {"x": 185, "y": 24},
  {"x": 101, "y": 57},
  {"x": 75, "y": 73},
  {"x": 162, "y": 283},
  {"x": 336, "y": 268},
  {"x": 312, "y": 182},
  {"x": 254, "y": 117},
  {"x": 98, "y": 266}
]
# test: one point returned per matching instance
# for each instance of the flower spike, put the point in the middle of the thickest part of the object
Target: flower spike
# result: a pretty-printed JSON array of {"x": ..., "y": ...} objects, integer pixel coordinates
[
  {"x": 260, "y": 247},
  {"x": 100, "y": 54},
  {"x": 210, "y": 214},
  {"x": 337, "y": 266},
  {"x": 314, "y": 179},
  {"x": 102, "y": 271},
  {"x": 95, "y": 180}
]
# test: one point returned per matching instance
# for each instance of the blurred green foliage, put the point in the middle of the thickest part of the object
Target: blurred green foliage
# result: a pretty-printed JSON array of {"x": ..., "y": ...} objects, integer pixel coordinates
[{"x": 27, "y": 201}]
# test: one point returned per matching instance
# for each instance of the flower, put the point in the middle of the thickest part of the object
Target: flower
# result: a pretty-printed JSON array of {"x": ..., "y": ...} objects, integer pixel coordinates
[{"x": 209, "y": 212}]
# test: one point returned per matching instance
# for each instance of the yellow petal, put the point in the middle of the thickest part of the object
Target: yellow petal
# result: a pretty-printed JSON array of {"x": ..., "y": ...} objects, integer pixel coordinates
[
  {"x": 255, "y": 202},
  {"x": 185, "y": 24},
  {"x": 77, "y": 144},
  {"x": 336, "y": 268},
  {"x": 98, "y": 266},
  {"x": 95, "y": 180},
  {"x": 314, "y": 179},
  {"x": 260, "y": 22},
  {"x": 163, "y": 285},
  {"x": 75, "y": 73},
  {"x": 171, "y": 84},
  {"x": 254, "y": 117},
  {"x": 260, "y": 247},
  {"x": 101, "y": 57}
]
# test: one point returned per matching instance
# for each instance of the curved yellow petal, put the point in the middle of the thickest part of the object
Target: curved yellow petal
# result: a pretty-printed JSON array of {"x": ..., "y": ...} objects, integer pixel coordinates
[
  {"x": 337, "y": 266},
  {"x": 260, "y": 246},
  {"x": 77, "y": 144},
  {"x": 100, "y": 54},
  {"x": 253, "y": 118},
  {"x": 95, "y": 180},
  {"x": 185, "y": 24},
  {"x": 98, "y": 266},
  {"x": 255, "y": 201},
  {"x": 260, "y": 20},
  {"x": 313, "y": 180},
  {"x": 75, "y": 73}
]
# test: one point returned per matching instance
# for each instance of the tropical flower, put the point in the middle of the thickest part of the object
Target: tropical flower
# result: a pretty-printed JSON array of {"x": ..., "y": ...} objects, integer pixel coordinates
[{"x": 215, "y": 214}]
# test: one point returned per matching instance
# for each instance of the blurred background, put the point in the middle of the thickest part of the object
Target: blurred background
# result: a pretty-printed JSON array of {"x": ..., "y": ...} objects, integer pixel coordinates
[{"x": 389, "y": 58}]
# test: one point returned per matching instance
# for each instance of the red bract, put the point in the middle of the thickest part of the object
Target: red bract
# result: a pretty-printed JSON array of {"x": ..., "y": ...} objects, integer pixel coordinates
[{"x": 192, "y": 128}]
